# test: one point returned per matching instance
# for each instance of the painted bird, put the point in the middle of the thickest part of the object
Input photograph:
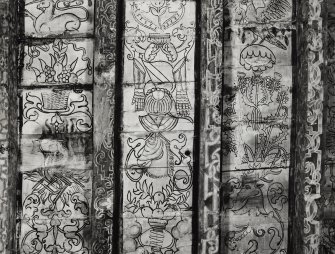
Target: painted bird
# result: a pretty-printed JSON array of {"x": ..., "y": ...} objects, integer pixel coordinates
[
  {"x": 268, "y": 35},
  {"x": 259, "y": 12}
]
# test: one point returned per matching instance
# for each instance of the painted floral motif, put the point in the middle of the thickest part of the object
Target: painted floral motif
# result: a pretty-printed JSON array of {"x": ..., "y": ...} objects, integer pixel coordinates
[
  {"x": 256, "y": 132},
  {"x": 266, "y": 99},
  {"x": 258, "y": 91},
  {"x": 161, "y": 170},
  {"x": 61, "y": 62},
  {"x": 158, "y": 164}
]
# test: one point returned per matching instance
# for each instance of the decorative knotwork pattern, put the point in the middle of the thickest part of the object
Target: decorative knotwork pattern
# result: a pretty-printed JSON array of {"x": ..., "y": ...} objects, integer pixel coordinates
[
  {"x": 312, "y": 163},
  {"x": 212, "y": 71}
]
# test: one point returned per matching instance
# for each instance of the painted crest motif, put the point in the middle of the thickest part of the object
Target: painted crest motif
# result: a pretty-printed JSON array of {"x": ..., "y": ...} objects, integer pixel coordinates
[{"x": 158, "y": 47}]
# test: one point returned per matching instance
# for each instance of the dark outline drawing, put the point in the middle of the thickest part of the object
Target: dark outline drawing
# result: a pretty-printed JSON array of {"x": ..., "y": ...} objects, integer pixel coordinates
[
  {"x": 159, "y": 166},
  {"x": 48, "y": 22},
  {"x": 58, "y": 69}
]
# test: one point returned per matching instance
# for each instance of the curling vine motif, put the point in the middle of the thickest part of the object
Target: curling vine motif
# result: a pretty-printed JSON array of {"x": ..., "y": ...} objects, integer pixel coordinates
[
  {"x": 158, "y": 166},
  {"x": 59, "y": 110},
  {"x": 52, "y": 17},
  {"x": 255, "y": 137},
  {"x": 211, "y": 113},
  {"x": 55, "y": 213},
  {"x": 55, "y": 208}
]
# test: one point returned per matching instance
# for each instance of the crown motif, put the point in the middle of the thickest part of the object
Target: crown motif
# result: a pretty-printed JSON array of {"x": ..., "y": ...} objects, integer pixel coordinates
[
  {"x": 158, "y": 15},
  {"x": 55, "y": 100}
]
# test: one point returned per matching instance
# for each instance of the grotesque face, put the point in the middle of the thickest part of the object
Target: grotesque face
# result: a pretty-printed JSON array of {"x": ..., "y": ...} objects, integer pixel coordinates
[{"x": 249, "y": 191}]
